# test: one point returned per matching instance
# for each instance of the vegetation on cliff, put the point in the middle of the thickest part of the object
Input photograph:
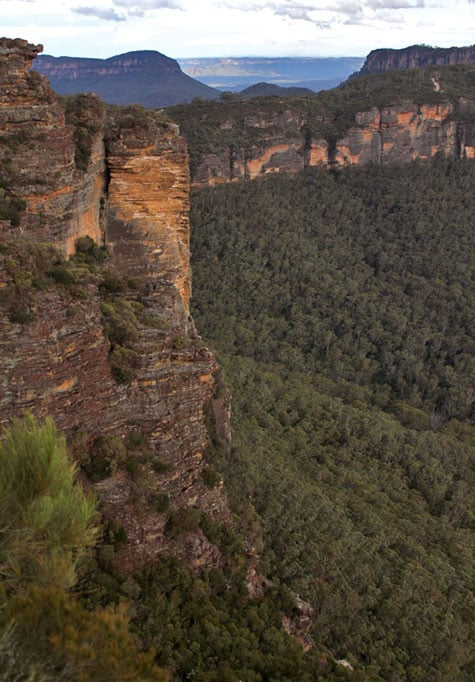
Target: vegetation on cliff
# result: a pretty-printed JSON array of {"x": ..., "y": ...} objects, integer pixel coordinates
[
  {"x": 342, "y": 308},
  {"x": 46, "y": 525},
  {"x": 214, "y": 127},
  {"x": 202, "y": 627}
]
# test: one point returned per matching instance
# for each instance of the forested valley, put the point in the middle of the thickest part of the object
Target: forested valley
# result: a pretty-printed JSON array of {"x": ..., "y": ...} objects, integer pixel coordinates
[{"x": 341, "y": 307}]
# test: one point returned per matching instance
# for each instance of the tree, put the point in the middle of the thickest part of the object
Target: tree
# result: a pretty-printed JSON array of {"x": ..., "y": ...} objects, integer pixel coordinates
[{"x": 46, "y": 520}]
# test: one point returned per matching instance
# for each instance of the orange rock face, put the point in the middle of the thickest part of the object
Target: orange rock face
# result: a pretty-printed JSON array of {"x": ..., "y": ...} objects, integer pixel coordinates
[
  {"x": 148, "y": 228},
  {"x": 59, "y": 362},
  {"x": 287, "y": 142},
  {"x": 62, "y": 203},
  {"x": 398, "y": 134}
]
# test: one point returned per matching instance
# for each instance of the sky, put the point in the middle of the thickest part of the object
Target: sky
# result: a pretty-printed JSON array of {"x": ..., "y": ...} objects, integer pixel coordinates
[{"x": 236, "y": 28}]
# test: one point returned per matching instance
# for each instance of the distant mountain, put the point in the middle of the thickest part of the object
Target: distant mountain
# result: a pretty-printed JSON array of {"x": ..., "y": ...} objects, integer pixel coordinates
[
  {"x": 416, "y": 57},
  {"x": 266, "y": 89},
  {"x": 238, "y": 73},
  {"x": 144, "y": 77}
]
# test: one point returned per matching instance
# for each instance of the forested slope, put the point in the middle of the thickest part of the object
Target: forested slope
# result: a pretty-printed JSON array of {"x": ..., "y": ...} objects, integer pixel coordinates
[
  {"x": 224, "y": 127},
  {"x": 342, "y": 308}
]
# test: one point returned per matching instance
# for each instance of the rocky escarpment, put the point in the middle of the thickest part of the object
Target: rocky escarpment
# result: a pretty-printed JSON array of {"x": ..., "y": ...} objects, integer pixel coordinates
[
  {"x": 416, "y": 57},
  {"x": 291, "y": 140},
  {"x": 106, "y": 345},
  {"x": 37, "y": 158}
]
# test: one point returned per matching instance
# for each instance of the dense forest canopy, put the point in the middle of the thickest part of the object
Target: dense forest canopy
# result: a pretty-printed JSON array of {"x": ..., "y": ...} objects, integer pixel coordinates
[{"x": 342, "y": 308}]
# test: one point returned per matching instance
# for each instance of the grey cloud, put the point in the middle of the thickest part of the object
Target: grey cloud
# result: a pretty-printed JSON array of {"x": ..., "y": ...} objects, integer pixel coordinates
[
  {"x": 141, "y": 6},
  {"x": 105, "y": 14},
  {"x": 389, "y": 16},
  {"x": 353, "y": 10},
  {"x": 293, "y": 12},
  {"x": 394, "y": 4}
]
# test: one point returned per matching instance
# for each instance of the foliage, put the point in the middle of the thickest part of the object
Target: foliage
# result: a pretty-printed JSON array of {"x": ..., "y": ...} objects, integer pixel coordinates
[
  {"x": 68, "y": 642},
  {"x": 86, "y": 114},
  {"x": 33, "y": 267},
  {"x": 205, "y": 626},
  {"x": 89, "y": 252},
  {"x": 46, "y": 522},
  {"x": 46, "y": 525},
  {"x": 105, "y": 455},
  {"x": 181, "y": 521},
  {"x": 221, "y": 127},
  {"x": 342, "y": 308}
]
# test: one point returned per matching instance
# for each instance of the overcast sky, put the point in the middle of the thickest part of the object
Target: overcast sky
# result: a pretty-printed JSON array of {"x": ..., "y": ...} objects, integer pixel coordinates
[{"x": 219, "y": 28}]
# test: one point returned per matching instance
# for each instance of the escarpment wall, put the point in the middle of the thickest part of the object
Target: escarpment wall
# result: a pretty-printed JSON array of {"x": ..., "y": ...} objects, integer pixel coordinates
[
  {"x": 416, "y": 57},
  {"x": 393, "y": 134},
  {"x": 38, "y": 149},
  {"x": 147, "y": 210},
  {"x": 130, "y": 191}
]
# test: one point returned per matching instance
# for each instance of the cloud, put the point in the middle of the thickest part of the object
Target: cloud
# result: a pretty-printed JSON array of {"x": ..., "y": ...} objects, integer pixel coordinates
[
  {"x": 128, "y": 8},
  {"x": 293, "y": 12},
  {"x": 352, "y": 10},
  {"x": 394, "y": 4},
  {"x": 141, "y": 6},
  {"x": 105, "y": 14}
]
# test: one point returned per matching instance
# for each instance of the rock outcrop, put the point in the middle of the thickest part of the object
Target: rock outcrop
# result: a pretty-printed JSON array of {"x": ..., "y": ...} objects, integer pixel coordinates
[
  {"x": 416, "y": 57},
  {"x": 288, "y": 142},
  {"x": 38, "y": 154},
  {"x": 130, "y": 192}
]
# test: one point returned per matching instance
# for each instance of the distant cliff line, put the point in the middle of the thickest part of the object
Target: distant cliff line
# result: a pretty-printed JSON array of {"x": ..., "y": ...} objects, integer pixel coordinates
[{"x": 416, "y": 57}]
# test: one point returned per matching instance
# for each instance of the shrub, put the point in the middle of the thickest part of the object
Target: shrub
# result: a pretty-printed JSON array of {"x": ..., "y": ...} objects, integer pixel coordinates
[
  {"x": 160, "y": 467},
  {"x": 76, "y": 644},
  {"x": 182, "y": 521},
  {"x": 181, "y": 342},
  {"x": 210, "y": 477},
  {"x": 87, "y": 251},
  {"x": 160, "y": 502},
  {"x": 62, "y": 274},
  {"x": 107, "y": 453},
  {"x": 20, "y": 313},
  {"x": 46, "y": 521}
]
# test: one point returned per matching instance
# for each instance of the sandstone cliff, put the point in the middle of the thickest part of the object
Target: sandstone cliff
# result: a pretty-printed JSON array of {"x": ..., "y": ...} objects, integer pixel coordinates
[
  {"x": 416, "y": 57},
  {"x": 106, "y": 348},
  {"x": 291, "y": 140}
]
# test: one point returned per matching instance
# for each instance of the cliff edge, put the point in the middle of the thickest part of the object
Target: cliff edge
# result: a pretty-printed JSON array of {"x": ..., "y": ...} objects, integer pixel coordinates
[
  {"x": 416, "y": 57},
  {"x": 103, "y": 341}
]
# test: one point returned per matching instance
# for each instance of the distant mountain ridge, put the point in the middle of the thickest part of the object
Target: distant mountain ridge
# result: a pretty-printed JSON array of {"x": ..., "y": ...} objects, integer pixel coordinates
[
  {"x": 416, "y": 57},
  {"x": 272, "y": 90},
  {"x": 142, "y": 77}
]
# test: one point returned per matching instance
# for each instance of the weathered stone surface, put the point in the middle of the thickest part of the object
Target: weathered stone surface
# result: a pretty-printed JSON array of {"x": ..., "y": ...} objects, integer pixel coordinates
[
  {"x": 148, "y": 202},
  {"x": 396, "y": 134},
  {"x": 135, "y": 198},
  {"x": 62, "y": 203}
]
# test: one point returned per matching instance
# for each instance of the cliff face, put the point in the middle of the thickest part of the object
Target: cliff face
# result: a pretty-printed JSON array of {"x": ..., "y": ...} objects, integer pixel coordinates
[
  {"x": 416, "y": 57},
  {"x": 58, "y": 360},
  {"x": 395, "y": 134},
  {"x": 398, "y": 135},
  {"x": 38, "y": 152}
]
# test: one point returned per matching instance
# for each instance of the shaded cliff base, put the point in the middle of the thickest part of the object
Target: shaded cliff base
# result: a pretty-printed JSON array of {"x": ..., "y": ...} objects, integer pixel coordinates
[
  {"x": 79, "y": 344},
  {"x": 70, "y": 346}
]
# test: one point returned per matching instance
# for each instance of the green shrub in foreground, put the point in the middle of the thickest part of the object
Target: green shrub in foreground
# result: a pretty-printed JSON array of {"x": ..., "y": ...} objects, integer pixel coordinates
[{"x": 46, "y": 521}]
